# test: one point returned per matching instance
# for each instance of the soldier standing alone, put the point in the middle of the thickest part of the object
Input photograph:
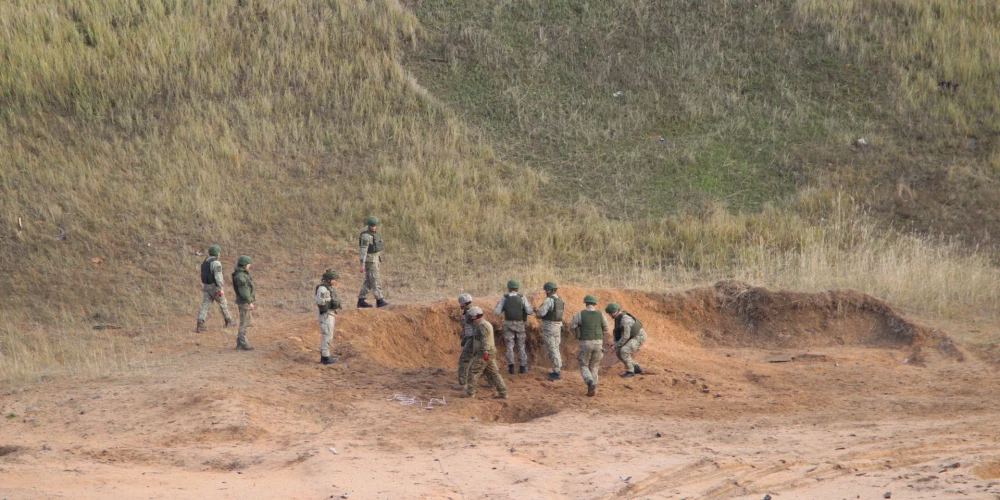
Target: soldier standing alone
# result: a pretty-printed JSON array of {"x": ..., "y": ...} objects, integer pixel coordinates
[
  {"x": 468, "y": 332},
  {"x": 328, "y": 303},
  {"x": 590, "y": 327},
  {"x": 551, "y": 312},
  {"x": 211, "y": 288},
  {"x": 629, "y": 336},
  {"x": 370, "y": 254},
  {"x": 484, "y": 352},
  {"x": 245, "y": 299},
  {"x": 515, "y": 309}
]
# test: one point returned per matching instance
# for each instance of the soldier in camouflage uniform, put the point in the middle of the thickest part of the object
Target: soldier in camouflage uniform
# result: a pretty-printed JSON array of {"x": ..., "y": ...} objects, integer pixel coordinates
[
  {"x": 328, "y": 303},
  {"x": 370, "y": 253},
  {"x": 211, "y": 288},
  {"x": 245, "y": 299},
  {"x": 467, "y": 333},
  {"x": 590, "y": 327},
  {"x": 629, "y": 336},
  {"x": 515, "y": 309},
  {"x": 551, "y": 313},
  {"x": 484, "y": 352}
]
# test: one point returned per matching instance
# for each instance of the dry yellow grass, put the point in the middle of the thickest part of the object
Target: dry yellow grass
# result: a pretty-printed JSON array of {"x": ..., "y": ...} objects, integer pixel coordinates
[{"x": 148, "y": 130}]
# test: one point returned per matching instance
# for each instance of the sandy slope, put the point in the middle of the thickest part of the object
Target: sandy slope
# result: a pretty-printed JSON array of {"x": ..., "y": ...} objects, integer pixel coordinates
[{"x": 713, "y": 419}]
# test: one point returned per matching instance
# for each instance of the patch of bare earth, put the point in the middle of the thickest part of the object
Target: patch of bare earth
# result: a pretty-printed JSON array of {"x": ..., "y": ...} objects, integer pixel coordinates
[{"x": 746, "y": 392}]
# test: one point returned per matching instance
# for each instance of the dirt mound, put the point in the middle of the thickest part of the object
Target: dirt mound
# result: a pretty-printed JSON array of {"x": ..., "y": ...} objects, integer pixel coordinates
[{"x": 728, "y": 314}]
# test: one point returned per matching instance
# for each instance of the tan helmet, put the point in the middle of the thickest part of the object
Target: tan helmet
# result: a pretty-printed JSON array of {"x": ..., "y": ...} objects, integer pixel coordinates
[
  {"x": 464, "y": 299},
  {"x": 475, "y": 311}
]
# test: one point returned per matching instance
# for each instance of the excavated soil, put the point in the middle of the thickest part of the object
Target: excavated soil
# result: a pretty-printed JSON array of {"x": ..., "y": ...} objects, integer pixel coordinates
[{"x": 747, "y": 392}]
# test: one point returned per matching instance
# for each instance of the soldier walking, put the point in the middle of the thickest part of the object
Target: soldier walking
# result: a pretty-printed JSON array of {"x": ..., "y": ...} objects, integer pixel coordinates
[
  {"x": 484, "y": 352},
  {"x": 551, "y": 313},
  {"x": 467, "y": 333},
  {"x": 629, "y": 336},
  {"x": 515, "y": 309},
  {"x": 370, "y": 254},
  {"x": 211, "y": 288},
  {"x": 328, "y": 303},
  {"x": 245, "y": 299},
  {"x": 590, "y": 327}
]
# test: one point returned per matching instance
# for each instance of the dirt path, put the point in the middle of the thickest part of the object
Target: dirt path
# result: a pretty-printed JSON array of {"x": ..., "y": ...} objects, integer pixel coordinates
[{"x": 736, "y": 421}]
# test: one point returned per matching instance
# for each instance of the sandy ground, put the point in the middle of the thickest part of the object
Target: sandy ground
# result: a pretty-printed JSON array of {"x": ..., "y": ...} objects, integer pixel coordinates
[{"x": 848, "y": 420}]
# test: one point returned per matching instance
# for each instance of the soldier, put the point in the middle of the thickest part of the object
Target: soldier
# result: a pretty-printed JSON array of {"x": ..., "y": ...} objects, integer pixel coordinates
[
  {"x": 590, "y": 327},
  {"x": 328, "y": 303},
  {"x": 515, "y": 309},
  {"x": 629, "y": 336},
  {"x": 468, "y": 332},
  {"x": 211, "y": 288},
  {"x": 551, "y": 313},
  {"x": 370, "y": 253},
  {"x": 484, "y": 352},
  {"x": 244, "y": 301}
]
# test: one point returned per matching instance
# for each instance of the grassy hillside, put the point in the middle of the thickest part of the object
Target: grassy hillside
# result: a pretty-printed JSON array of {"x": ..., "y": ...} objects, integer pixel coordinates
[{"x": 488, "y": 138}]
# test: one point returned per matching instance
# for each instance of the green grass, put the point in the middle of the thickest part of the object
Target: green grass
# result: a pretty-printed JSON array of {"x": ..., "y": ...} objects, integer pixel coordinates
[{"x": 738, "y": 92}]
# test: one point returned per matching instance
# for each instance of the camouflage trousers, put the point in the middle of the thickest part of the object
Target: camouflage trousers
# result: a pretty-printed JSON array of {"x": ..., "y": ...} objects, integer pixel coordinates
[
  {"x": 464, "y": 361},
  {"x": 552, "y": 335},
  {"x": 590, "y": 355},
  {"x": 628, "y": 348},
  {"x": 246, "y": 321},
  {"x": 326, "y": 321},
  {"x": 488, "y": 367},
  {"x": 209, "y": 294},
  {"x": 373, "y": 282},
  {"x": 513, "y": 331}
]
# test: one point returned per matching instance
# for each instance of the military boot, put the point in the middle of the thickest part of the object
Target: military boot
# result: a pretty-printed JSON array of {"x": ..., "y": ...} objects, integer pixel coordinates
[
  {"x": 381, "y": 303},
  {"x": 242, "y": 344},
  {"x": 201, "y": 327},
  {"x": 458, "y": 387},
  {"x": 510, "y": 368},
  {"x": 555, "y": 376},
  {"x": 591, "y": 389},
  {"x": 327, "y": 360},
  {"x": 502, "y": 395},
  {"x": 522, "y": 369},
  {"x": 363, "y": 303},
  {"x": 229, "y": 323},
  {"x": 638, "y": 369}
]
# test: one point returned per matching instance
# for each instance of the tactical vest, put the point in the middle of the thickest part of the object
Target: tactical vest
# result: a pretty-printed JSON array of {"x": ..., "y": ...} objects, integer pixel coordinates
[
  {"x": 513, "y": 307},
  {"x": 591, "y": 325},
  {"x": 324, "y": 308},
  {"x": 555, "y": 314},
  {"x": 376, "y": 245},
  {"x": 636, "y": 326},
  {"x": 207, "y": 276}
]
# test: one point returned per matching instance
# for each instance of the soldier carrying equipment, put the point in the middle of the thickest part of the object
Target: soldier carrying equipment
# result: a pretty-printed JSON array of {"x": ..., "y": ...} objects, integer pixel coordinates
[
  {"x": 211, "y": 287},
  {"x": 551, "y": 313}
]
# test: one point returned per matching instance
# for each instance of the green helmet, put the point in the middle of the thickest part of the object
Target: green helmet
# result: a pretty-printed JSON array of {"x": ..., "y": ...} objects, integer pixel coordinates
[
  {"x": 612, "y": 308},
  {"x": 513, "y": 285},
  {"x": 372, "y": 221},
  {"x": 330, "y": 275},
  {"x": 214, "y": 250},
  {"x": 243, "y": 260},
  {"x": 549, "y": 286},
  {"x": 590, "y": 299}
]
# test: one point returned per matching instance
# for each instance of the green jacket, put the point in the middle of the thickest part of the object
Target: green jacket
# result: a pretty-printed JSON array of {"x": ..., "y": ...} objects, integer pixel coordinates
[
  {"x": 243, "y": 284},
  {"x": 483, "y": 339}
]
